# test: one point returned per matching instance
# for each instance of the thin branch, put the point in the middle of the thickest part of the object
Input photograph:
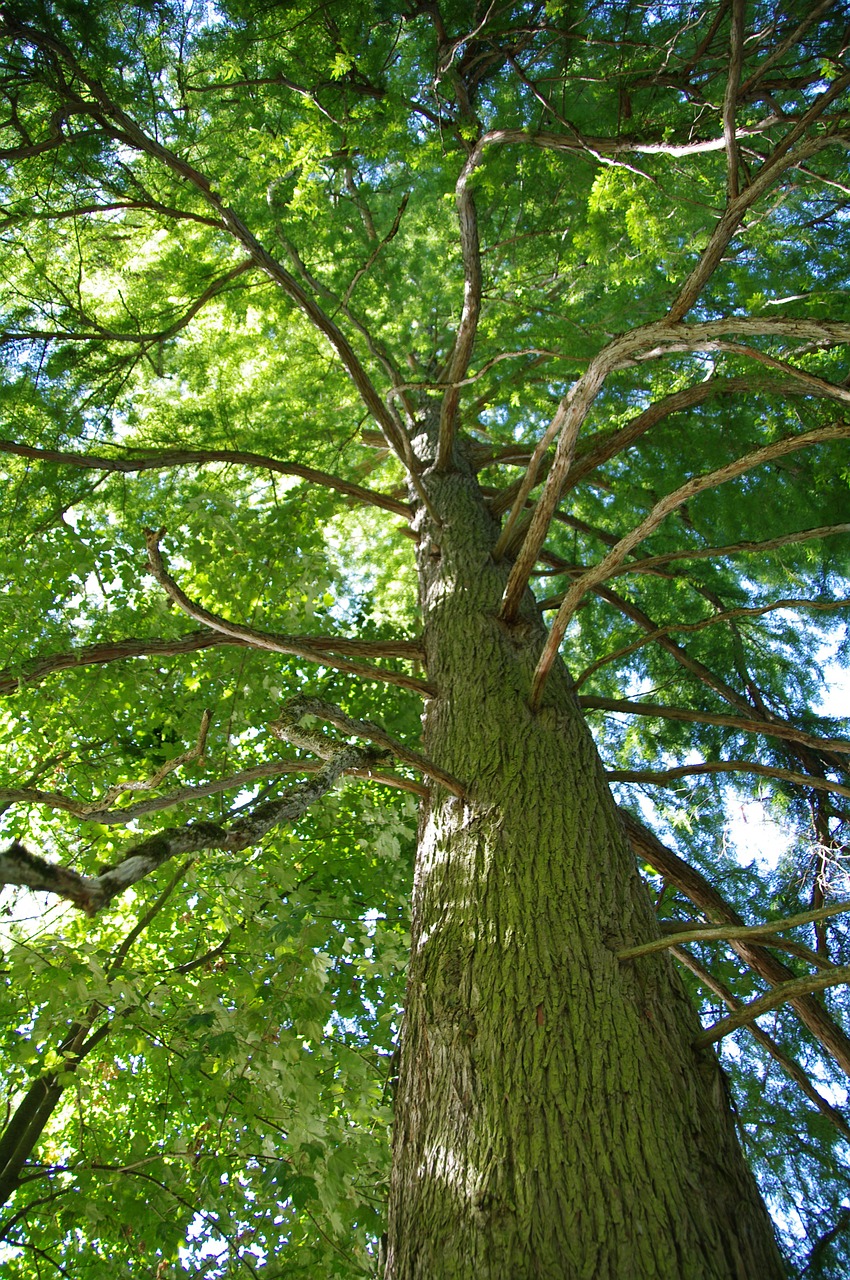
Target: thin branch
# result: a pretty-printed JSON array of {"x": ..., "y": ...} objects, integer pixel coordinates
[
  {"x": 661, "y": 636},
  {"x": 594, "y": 576},
  {"x": 666, "y": 777},
  {"x": 725, "y": 615},
  {"x": 648, "y": 563},
  {"x": 162, "y": 458},
  {"x": 604, "y": 148},
  {"x": 300, "y": 706},
  {"x": 263, "y": 639},
  {"x": 187, "y": 795},
  {"x": 660, "y": 711},
  {"x": 34, "y": 1110},
  {"x": 121, "y": 952},
  {"x": 613, "y": 443},
  {"x": 726, "y": 932},
  {"x": 648, "y": 848},
  {"x": 155, "y": 780},
  {"x": 85, "y": 210},
  {"x": 788, "y": 1065},
  {"x": 794, "y": 37},
  {"x": 780, "y": 995},
  {"x": 37, "y": 669},
  {"x": 124, "y": 130},
  {"x": 373, "y": 256},
  {"x": 783, "y": 156},
  {"x": 730, "y": 97},
  {"x": 114, "y": 335}
]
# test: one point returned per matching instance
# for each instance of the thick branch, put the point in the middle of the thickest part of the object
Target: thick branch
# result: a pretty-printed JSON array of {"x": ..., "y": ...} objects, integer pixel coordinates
[
  {"x": 462, "y": 351},
  {"x": 730, "y": 97},
  {"x": 612, "y": 147},
  {"x": 92, "y": 893},
  {"x": 266, "y": 640},
  {"x": 38, "y": 669},
  {"x": 648, "y": 848}
]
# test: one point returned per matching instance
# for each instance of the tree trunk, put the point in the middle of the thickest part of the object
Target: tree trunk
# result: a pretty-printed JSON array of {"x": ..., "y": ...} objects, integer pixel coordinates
[{"x": 553, "y": 1119}]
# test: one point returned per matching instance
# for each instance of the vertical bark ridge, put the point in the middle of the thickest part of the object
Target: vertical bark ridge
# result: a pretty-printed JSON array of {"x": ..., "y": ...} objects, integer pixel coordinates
[{"x": 553, "y": 1119}]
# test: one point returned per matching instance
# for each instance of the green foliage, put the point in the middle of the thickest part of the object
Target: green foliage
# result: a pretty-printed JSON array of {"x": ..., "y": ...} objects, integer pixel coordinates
[{"x": 230, "y": 1113}]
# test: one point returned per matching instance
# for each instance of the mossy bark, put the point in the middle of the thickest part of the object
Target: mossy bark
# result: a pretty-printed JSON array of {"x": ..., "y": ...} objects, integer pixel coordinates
[{"x": 553, "y": 1119}]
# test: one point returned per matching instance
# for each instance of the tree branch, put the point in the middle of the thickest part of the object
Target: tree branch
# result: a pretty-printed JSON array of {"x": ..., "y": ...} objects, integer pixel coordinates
[
  {"x": 92, "y": 893},
  {"x": 162, "y": 458},
  {"x": 38, "y": 669},
  {"x": 648, "y": 848},
  {"x": 458, "y": 362},
  {"x": 648, "y": 342},
  {"x": 730, "y": 97},
  {"x": 613, "y": 443},
  {"x": 147, "y": 339},
  {"x": 782, "y": 994},
  {"x": 268, "y": 641},
  {"x": 788, "y": 1065},
  {"x": 298, "y": 707},
  {"x": 658, "y": 710},
  {"x": 592, "y": 577},
  {"x": 781, "y": 158},
  {"x": 728, "y": 932},
  {"x": 648, "y": 563},
  {"x": 34, "y": 1110},
  {"x": 666, "y": 777},
  {"x": 124, "y": 130},
  {"x": 661, "y": 635}
]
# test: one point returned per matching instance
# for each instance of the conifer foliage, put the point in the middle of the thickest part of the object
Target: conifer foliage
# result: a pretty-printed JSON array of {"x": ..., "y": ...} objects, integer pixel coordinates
[{"x": 424, "y": 531}]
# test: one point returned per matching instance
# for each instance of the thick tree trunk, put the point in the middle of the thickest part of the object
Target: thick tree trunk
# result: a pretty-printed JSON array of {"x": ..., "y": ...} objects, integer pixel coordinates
[{"x": 553, "y": 1119}]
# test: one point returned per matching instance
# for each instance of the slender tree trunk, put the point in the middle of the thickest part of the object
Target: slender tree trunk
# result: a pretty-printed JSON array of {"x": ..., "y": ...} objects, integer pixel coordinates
[{"x": 553, "y": 1119}]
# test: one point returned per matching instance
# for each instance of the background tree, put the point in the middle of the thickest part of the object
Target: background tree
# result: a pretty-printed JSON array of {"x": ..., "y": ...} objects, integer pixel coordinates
[{"x": 345, "y": 344}]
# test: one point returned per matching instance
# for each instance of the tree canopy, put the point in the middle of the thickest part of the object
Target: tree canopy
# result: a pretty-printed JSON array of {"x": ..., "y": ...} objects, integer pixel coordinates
[{"x": 247, "y": 247}]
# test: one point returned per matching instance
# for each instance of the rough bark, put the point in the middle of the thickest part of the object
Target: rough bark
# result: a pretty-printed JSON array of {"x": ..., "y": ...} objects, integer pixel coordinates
[{"x": 553, "y": 1118}]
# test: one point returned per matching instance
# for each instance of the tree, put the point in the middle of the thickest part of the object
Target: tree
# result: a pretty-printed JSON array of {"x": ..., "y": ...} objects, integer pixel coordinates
[{"x": 483, "y": 364}]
